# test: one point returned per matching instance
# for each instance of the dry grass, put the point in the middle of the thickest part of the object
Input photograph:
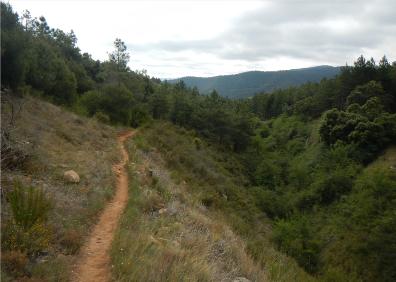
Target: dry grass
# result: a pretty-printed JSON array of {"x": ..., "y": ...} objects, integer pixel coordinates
[
  {"x": 191, "y": 240},
  {"x": 56, "y": 141},
  {"x": 167, "y": 235}
]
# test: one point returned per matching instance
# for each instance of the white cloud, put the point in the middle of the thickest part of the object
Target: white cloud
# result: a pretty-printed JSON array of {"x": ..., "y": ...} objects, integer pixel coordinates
[{"x": 202, "y": 38}]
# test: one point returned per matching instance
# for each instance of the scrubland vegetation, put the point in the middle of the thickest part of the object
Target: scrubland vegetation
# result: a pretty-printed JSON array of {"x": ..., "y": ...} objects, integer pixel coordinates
[
  {"x": 307, "y": 171},
  {"x": 183, "y": 202},
  {"x": 44, "y": 220}
]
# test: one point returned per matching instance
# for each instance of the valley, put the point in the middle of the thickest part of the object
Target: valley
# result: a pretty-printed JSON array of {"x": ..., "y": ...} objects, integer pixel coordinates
[{"x": 110, "y": 174}]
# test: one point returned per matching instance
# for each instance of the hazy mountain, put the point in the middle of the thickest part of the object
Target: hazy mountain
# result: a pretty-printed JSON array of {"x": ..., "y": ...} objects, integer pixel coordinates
[{"x": 248, "y": 83}]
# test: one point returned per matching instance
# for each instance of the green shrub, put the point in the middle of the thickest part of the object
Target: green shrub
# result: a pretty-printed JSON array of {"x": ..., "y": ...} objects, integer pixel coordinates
[
  {"x": 31, "y": 240},
  {"x": 295, "y": 237},
  {"x": 198, "y": 143},
  {"x": 29, "y": 205},
  {"x": 270, "y": 202},
  {"x": 331, "y": 187},
  {"x": 102, "y": 117},
  {"x": 27, "y": 230}
]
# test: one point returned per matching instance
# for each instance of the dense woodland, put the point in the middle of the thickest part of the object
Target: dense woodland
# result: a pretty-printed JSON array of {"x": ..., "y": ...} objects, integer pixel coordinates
[
  {"x": 309, "y": 152},
  {"x": 246, "y": 84}
]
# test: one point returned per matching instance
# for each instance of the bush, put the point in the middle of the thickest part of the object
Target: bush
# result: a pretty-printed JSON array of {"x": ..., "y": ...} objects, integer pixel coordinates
[
  {"x": 198, "y": 143},
  {"x": 333, "y": 186},
  {"x": 295, "y": 237},
  {"x": 32, "y": 240},
  {"x": 139, "y": 115},
  {"x": 366, "y": 224},
  {"x": 29, "y": 205},
  {"x": 27, "y": 231},
  {"x": 270, "y": 202},
  {"x": 115, "y": 101},
  {"x": 102, "y": 117}
]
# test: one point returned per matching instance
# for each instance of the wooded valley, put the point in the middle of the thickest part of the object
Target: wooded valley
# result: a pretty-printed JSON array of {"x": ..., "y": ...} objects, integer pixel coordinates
[{"x": 316, "y": 162}]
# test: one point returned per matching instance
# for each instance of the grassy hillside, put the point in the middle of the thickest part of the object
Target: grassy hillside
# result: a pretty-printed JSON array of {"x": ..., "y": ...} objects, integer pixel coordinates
[
  {"x": 307, "y": 171},
  {"x": 184, "y": 197},
  {"x": 44, "y": 141},
  {"x": 189, "y": 212},
  {"x": 247, "y": 84}
]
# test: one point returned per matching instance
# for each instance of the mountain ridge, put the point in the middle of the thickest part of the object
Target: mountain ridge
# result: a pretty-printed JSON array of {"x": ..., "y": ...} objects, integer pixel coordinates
[{"x": 246, "y": 84}]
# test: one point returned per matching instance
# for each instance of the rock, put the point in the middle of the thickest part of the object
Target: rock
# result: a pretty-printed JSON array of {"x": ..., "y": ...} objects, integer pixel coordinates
[
  {"x": 163, "y": 210},
  {"x": 241, "y": 279},
  {"x": 71, "y": 176}
]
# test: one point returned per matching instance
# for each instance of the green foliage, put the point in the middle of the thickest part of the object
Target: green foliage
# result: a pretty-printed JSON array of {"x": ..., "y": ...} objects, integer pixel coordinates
[
  {"x": 313, "y": 186},
  {"x": 115, "y": 101},
  {"x": 29, "y": 205},
  {"x": 13, "y": 48},
  {"x": 32, "y": 240},
  {"x": 365, "y": 226},
  {"x": 271, "y": 202},
  {"x": 269, "y": 174},
  {"x": 369, "y": 128},
  {"x": 139, "y": 115},
  {"x": 120, "y": 56},
  {"x": 296, "y": 154},
  {"x": 27, "y": 231},
  {"x": 295, "y": 237},
  {"x": 160, "y": 105},
  {"x": 103, "y": 118},
  {"x": 331, "y": 187},
  {"x": 48, "y": 72},
  {"x": 362, "y": 93},
  {"x": 84, "y": 83}
]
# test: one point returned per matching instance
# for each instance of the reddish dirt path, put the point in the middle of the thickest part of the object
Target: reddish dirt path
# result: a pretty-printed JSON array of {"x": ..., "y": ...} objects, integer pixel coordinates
[{"x": 94, "y": 261}]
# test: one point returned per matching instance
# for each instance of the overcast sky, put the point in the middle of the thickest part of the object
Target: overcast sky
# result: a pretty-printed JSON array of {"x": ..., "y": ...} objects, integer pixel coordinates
[{"x": 204, "y": 38}]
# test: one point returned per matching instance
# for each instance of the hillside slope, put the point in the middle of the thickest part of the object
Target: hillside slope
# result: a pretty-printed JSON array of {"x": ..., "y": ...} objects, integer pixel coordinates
[
  {"x": 45, "y": 141},
  {"x": 185, "y": 231},
  {"x": 190, "y": 215},
  {"x": 249, "y": 83}
]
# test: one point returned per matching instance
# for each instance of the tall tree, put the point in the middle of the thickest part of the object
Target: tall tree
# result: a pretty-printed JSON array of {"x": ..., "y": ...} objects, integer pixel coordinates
[
  {"x": 13, "y": 48},
  {"x": 120, "y": 56}
]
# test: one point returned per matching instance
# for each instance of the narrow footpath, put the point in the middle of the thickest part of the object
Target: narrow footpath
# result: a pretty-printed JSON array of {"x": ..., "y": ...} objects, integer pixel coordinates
[{"x": 94, "y": 261}]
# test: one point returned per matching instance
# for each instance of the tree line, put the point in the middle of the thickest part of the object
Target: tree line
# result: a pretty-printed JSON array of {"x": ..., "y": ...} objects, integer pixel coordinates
[
  {"x": 306, "y": 150},
  {"x": 44, "y": 61}
]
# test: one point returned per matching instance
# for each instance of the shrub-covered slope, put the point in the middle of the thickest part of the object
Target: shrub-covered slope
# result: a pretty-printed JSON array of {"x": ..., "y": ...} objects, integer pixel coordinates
[
  {"x": 191, "y": 216},
  {"x": 42, "y": 234}
]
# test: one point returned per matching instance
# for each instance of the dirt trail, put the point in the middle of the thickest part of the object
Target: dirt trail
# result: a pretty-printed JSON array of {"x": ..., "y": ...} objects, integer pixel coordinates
[{"x": 94, "y": 261}]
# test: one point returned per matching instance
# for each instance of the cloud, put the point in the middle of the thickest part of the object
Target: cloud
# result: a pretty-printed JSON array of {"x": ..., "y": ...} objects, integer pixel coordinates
[
  {"x": 202, "y": 38},
  {"x": 331, "y": 31}
]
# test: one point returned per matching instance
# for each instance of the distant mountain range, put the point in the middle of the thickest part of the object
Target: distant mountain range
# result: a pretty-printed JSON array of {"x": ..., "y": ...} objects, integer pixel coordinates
[{"x": 247, "y": 84}]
